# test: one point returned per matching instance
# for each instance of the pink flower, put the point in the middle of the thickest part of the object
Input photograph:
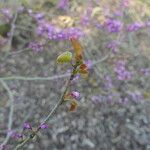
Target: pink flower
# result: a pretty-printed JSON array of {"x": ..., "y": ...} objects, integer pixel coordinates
[
  {"x": 43, "y": 126},
  {"x": 75, "y": 95},
  {"x": 62, "y": 4},
  {"x": 27, "y": 126}
]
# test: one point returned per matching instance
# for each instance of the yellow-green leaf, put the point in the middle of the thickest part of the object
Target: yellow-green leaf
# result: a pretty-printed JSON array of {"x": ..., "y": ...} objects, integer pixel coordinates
[{"x": 64, "y": 57}]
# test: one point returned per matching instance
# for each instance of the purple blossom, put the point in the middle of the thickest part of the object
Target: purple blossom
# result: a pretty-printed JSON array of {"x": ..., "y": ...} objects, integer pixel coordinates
[
  {"x": 36, "y": 46},
  {"x": 27, "y": 126},
  {"x": 75, "y": 78},
  {"x": 125, "y": 3},
  {"x": 30, "y": 11},
  {"x": 17, "y": 136},
  {"x": 55, "y": 33},
  {"x": 121, "y": 71},
  {"x": 74, "y": 32},
  {"x": 96, "y": 99},
  {"x": 85, "y": 20},
  {"x": 75, "y": 95},
  {"x": 38, "y": 16},
  {"x": 113, "y": 25},
  {"x": 43, "y": 28},
  {"x": 135, "y": 96},
  {"x": 135, "y": 26},
  {"x": 21, "y": 9},
  {"x": 99, "y": 26},
  {"x": 108, "y": 82},
  {"x": 7, "y": 14},
  {"x": 123, "y": 100},
  {"x": 118, "y": 13},
  {"x": 148, "y": 23},
  {"x": 113, "y": 46},
  {"x": 43, "y": 126},
  {"x": 62, "y": 4},
  {"x": 145, "y": 71},
  {"x": 89, "y": 64}
]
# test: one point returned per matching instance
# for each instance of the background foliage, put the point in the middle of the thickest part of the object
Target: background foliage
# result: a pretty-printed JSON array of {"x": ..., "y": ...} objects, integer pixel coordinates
[{"x": 113, "y": 111}]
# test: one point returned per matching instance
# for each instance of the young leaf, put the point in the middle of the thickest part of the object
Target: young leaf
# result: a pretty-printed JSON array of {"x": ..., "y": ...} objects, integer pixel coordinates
[
  {"x": 77, "y": 47},
  {"x": 64, "y": 57},
  {"x": 83, "y": 70},
  {"x": 73, "y": 106},
  {"x": 83, "y": 67}
]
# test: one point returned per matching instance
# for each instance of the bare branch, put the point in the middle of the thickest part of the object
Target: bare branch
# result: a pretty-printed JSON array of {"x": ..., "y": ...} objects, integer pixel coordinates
[{"x": 33, "y": 134}]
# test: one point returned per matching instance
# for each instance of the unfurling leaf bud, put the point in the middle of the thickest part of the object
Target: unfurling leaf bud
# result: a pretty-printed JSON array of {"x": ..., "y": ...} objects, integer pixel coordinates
[
  {"x": 83, "y": 70},
  {"x": 64, "y": 57},
  {"x": 77, "y": 47},
  {"x": 73, "y": 105}
]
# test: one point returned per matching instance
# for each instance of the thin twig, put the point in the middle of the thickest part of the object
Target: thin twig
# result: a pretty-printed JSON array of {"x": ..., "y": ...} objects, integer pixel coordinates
[
  {"x": 53, "y": 77},
  {"x": 33, "y": 134},
  {"x": 19, "y": 51},
  {"x": 35, "y": 78},
  {"x": 10, "y": 119},
  {"x": 101, "y": 60}
]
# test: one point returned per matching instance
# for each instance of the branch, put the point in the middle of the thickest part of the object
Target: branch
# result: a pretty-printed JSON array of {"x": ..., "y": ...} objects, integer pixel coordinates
[
  {"x": 10, "y": 119},
  {"x": 34, "y": 78},
  {"x": 33, "y": 134}
]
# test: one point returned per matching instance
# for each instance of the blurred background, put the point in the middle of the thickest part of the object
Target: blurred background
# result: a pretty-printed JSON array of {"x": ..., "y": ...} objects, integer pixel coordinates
[{"x": 113, "y": 111}]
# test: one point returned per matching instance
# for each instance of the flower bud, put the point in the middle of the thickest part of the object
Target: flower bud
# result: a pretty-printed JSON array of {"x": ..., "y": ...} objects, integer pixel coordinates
[
  {"x": 27, "y": 126},
  {"x": 75, "y": 95}
]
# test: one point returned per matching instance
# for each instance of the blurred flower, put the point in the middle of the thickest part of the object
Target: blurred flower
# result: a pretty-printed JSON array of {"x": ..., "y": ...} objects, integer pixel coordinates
[
  {"x": 42, "y": 28},
  {"x": 145, "y": 71},
  {"x": 7, "y": 14},
  {"x": 74, "y": 32},
  {"x": 135, "y": 96},
  {"x": 113, "y": 46},
  {"x": 35, "y": 46},
  {"x": 99, "y": 26},
  {"x": 38, "y": 16},
  {"x": 43, "y": 126},
  {"x": 75, "y": 79},
  {"x": 15, "y": 135},
  {"x": 62, "y": 4},
  {"x": 123, "y": 100},
  {"x": 122, "y": 73},
  {"x": 85, "y": 20},
  {"x": 26, "y": 125},
  {"x": 135, "y": 26},
  {"x": 118, "y": 13},
  {"x": 148, "y": 23},
  {"x": 64, "y": 34},
  {"x": 89, "y": 64},
  {"x": 96, "y": 99},
  {"x": 125, "y": 3},
  {"x": 55, "y": 33},
  {"x": 75, "y": 95},
  {"x": 30, "y": 11},
  {"x": 108, "y": 82},
  {"x": 21, "y": 9},
  {"x": 113, "y": 25}
]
